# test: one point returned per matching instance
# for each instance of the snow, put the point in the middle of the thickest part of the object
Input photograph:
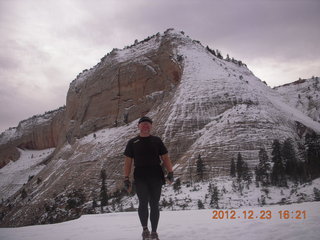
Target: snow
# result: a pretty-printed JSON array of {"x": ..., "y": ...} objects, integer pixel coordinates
[
  {"x": 303, "y": 95},
  {"x": 294, "y": 113},
  {"x": 7, "y": 135},
  {"x": 15, "y": 174},
  {"x": 136, "y": 53},
  {"x": 186, "y": 225},
  {"x": 82, "y": 77},
  {"x": 229, "y": 194}
]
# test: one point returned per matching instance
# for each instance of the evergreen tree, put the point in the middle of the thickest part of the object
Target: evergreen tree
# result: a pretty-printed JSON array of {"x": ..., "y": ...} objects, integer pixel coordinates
[
  {"x": 211, "y": 51},
  {"x": 290, "y": 159},
  {"x": 125, "y": 118},
  {"x": 219, "y": 55},
  {"x": 263, "y": 168},
  {"x": 94, "y": 203},
  {"x": 200, "y": 168},
  {"x": 239, "y": 166},
  {"x": 313, "y": 155},
  {"x": 103, "y": 191},
  {"x": 210, "y": 188},
  {"x": 246, "y": 174},
  {"x": 316, "y": 193},
  {"x": 177, "y": 185},
  {"x": 233, "y": 168},
  {"x": 200, "y": 204},
  {"x": 242, "y": 170},
  {"x": 24, "y": 194},
  {"x": 278, "y": 171},
  {"x": 302, "y": 172},
  {"x": 214, "y": 202}
]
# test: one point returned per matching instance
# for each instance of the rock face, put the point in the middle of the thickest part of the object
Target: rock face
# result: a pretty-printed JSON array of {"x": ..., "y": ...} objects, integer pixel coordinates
[
  {"x": 37, "y": 132},
  {"x": 200, "y": 104},
  {"x": 124, "y": 86}
]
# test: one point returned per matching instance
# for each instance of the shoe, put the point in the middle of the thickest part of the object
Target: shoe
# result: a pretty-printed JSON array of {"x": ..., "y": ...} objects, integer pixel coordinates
[
  {"x": 154, "y": 236},
  {"x": 146, "y": 234}
]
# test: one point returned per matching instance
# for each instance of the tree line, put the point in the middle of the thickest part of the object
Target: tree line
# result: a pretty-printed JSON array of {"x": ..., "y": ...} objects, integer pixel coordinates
[{"x": 285, "y": 166}]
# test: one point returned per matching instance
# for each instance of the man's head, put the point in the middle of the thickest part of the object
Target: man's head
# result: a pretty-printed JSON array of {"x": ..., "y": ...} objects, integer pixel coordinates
[
  {"x": 145, "y": 119},
  {"x": 144, "y": 125}
]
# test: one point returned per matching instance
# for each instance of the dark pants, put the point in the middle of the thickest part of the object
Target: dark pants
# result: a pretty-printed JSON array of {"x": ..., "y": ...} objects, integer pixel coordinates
[{"x": 149, "y": 192}]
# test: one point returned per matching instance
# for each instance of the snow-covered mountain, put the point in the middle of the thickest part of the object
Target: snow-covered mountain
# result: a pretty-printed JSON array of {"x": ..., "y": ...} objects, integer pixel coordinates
[
  {"x": 201, "y": 104},
  {"x": 304, "y": 95}
]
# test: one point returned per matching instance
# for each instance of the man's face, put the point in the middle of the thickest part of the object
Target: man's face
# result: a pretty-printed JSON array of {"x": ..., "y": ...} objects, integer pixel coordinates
[{"x": 145, "y": 127}]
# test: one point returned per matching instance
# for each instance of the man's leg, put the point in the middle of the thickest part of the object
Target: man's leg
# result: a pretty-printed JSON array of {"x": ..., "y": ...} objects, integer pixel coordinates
[
  {"x": 143, "y": 196},
  {"x": 155, "y": 193}
]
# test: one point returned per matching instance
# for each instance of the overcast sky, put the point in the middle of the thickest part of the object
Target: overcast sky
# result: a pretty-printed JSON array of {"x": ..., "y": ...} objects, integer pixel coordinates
[{"x": 44, "y": 44}]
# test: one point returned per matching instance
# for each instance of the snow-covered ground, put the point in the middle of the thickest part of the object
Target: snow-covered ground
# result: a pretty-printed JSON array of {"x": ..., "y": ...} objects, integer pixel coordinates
[
  {"x": 229, "y": 195},
  {"x": 15, "y": 174},
  {"x": 184, "y": 225}
]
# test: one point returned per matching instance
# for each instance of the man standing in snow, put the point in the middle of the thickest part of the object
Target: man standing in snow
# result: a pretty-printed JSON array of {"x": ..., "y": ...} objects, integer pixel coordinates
[{"x": 147, "y": 151}]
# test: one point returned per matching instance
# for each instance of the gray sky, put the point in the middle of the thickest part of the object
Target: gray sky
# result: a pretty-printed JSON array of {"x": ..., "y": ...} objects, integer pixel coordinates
[{"x": 45, "y": 44}]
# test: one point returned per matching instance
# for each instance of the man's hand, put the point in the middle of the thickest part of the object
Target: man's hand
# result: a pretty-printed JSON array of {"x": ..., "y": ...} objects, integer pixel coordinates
[{"x": 170, "y": 177}]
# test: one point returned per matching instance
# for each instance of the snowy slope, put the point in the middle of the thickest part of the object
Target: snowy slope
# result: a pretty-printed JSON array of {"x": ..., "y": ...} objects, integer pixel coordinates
[
  {"x": 221, "y": 108},
  {"x": 182, "y": 225},
  {"x": 15, "y": 174},
  {"x": 206, "y": 78},
  {"x": 303, "y": 95}
]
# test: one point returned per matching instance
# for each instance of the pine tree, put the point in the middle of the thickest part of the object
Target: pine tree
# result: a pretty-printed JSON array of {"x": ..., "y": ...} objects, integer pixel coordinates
[
  {"x": 200, "y": 168},
  {"x": 24, "y": 194},
  {"x": 246, "y": 174},
  {"x": 302, "y": 172},
  {"x": 316, "y": 193},
  {"x": 125, "y": 118},
  {"x": 290, "y": 159},
  {"x": 263, "y": 168},
  {"x": 200, "y": 204},
  {"x": 177, "y": 185},
  {"x": 94, "y": 204},
  {"x": 313, "y": 155},
  {"x": 239, "y": 166},
  {"x": 219, "y": 55},
  {"x": 211, "y": 51},
  {"x": 214, "y": 202},
  {"x": 278, "y": 172},
  {"x": 103, "y": 191},
  {"x": 233, "y": 168}
]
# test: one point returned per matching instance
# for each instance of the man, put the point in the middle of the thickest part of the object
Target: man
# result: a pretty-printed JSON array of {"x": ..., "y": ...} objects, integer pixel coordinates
[{"x": 147, "y": 151}]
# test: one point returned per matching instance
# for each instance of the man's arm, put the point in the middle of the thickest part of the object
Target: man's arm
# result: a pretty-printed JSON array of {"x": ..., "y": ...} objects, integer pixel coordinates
[
  {"x": 167, "y": 162},
  {"x": 127, "y": 166}
]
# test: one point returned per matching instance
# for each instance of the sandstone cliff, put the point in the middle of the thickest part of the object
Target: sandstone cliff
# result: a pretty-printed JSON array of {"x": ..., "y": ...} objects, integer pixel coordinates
[
  {"x": 38, "y": 132},
  {"x": 124, "y": 86}
]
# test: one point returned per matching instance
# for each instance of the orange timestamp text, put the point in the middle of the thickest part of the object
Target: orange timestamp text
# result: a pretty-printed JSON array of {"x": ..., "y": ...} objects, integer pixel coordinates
[{"x": 259, "y": 214}]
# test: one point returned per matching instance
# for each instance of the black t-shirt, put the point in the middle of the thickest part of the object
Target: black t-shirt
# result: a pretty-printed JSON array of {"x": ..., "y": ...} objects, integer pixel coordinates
[{"x": 146, "y": 152}]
